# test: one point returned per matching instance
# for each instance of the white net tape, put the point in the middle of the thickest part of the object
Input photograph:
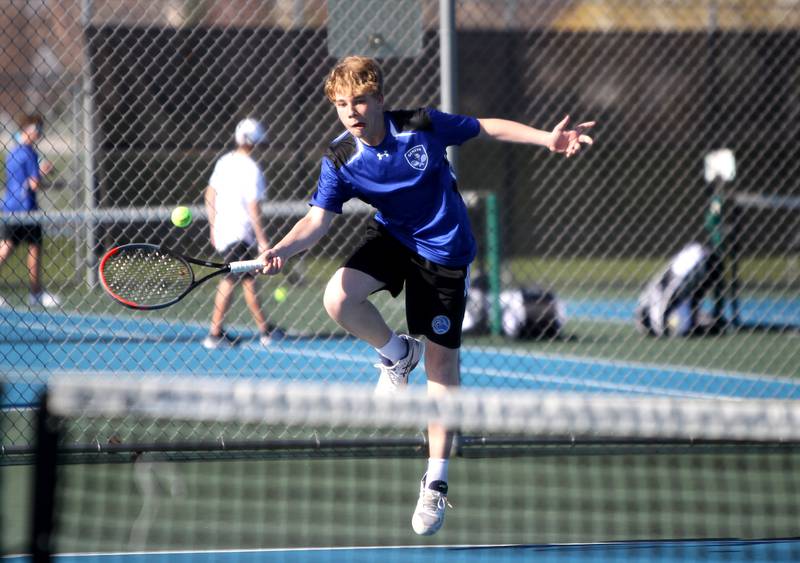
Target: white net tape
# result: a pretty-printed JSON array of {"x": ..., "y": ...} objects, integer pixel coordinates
[{"x": 529, "y": 413}]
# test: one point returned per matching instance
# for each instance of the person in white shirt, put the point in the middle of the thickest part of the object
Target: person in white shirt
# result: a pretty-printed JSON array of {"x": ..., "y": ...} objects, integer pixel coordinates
[{"x": 233, "y": 202}]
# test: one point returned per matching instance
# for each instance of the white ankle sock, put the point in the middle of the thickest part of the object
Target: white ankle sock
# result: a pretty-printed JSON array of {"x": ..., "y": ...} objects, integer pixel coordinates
[
  {"x": 394, "y": 350},
  {"x": 437, "y": 470}
]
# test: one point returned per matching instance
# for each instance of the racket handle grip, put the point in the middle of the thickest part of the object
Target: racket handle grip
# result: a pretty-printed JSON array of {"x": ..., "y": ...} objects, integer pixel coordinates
[{"x": 246, "y": 266}]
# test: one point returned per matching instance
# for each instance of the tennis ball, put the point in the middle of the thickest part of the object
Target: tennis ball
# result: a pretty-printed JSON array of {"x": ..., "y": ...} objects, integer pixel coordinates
[
  {"x": 280, "y": 294},
  {"x": 181, "y": 216}
]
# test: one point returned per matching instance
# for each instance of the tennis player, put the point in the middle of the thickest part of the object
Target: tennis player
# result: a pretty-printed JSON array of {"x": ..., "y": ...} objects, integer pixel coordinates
[
  {"x": 233, "y": 203},
  {"x": 419, "y": 238},
  {"x": 24, "y": 176}
]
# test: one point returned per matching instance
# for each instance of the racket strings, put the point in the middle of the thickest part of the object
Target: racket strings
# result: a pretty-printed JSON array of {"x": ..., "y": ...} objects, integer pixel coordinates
[{"x": 147, "y": 276}]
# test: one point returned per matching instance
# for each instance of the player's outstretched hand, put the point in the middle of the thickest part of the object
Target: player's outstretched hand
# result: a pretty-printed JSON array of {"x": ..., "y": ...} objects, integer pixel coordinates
[
  {"x": 273, "y": 262},
  {"x": 569, "y": 141}
]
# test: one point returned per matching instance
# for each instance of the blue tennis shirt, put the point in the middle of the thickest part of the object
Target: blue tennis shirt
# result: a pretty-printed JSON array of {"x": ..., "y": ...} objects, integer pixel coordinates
[
  {"x": 408, "y": 179},
  {"x": 21, "y": 163}
]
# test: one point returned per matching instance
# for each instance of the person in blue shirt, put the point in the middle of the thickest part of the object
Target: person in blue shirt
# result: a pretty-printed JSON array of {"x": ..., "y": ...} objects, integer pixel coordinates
[
  {"x": 24, "y": 174},
  {"x": 420, "y": 238}
]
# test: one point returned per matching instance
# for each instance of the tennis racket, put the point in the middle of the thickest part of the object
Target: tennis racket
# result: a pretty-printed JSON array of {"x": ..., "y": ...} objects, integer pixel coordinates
[{"x": 145, "y": 276}]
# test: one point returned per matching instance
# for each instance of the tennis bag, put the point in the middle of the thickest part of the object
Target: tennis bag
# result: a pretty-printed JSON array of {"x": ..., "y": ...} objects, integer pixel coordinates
[
  {"x": 530, "y": 312},
  {"x": 670, "y": 303}
]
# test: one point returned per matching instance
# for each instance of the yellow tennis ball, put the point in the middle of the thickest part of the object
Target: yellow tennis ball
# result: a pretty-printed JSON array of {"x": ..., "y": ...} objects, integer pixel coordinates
[
  {"x": 181, "y": 216},
  {"x": 280, "y": 294}
]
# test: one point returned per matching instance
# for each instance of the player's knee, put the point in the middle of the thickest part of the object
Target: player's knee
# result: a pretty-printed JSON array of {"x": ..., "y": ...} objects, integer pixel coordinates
[
  {"x": 441, "y": 365},
  {"x": 334, "y": 299}
]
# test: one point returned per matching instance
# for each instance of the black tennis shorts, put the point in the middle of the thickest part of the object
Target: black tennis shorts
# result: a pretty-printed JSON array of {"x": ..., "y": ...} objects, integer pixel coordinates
[
  {"x": 32, "y": 234},
  {"x": 237, "y": 252},
  {"x": 436, "y": 296}
]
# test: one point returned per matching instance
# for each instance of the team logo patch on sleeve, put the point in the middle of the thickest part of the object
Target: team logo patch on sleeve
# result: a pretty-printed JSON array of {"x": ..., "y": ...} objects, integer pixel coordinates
[
  {"x": 440, "y": 324},
  {"x": 417, "y": 157}
]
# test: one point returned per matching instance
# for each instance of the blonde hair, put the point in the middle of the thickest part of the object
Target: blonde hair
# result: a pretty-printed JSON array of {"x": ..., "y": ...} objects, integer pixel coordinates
[{"x": 354, "y": 75}]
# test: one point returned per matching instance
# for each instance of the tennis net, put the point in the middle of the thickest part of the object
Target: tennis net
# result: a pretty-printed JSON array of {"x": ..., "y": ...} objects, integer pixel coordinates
[{"x": 302, "y": 469}]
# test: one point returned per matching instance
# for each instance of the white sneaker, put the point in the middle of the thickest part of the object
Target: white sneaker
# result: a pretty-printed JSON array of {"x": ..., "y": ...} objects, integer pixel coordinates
[
  {"x": 394, "y": 377},
  {"x": 429, "y": 514},
  {"x": 224, "y": 340},
  {"x": 270, "y": 337},
  {"x": 43, "y": 299}
]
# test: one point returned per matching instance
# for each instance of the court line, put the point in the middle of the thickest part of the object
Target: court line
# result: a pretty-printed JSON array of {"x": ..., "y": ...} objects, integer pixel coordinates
[
  {"x": 537, "y": 374},
  {"x": 590, "y": 360},
  {"x": 178, "y": 326},
  {"x": 628, "y": 364},
  {"x": 670, "y": 550}
]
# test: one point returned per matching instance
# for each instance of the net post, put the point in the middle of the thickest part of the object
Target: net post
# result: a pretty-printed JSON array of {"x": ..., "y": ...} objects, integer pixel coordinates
[
  {"x": 493, "y": 263},
  {"x": 91, "y": 189},
  {"x": 44, "y": 483},
  {"x": 714, "y": 226},
  {"x": 719, "y": 171},
  {"x": 734, "y": 252}
]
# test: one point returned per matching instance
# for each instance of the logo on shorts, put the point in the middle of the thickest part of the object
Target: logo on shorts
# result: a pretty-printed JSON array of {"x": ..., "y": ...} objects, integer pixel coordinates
[
  {"x": 417, "y": 157},
  {"x": 440, "y": 324}
]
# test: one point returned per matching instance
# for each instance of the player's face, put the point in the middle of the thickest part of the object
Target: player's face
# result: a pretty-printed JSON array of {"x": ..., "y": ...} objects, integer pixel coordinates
[
  {"x": 362, "y": 115},
  {"x": 33, "y": 132}
]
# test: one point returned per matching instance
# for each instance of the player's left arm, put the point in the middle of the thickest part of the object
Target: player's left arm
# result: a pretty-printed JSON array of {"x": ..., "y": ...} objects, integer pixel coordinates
[
  {"x": 254, "y": 212},
  {"x": 211, "y": 210},
  {"x": 45, "y": 167},
  {"x": 560, "y": 140}
]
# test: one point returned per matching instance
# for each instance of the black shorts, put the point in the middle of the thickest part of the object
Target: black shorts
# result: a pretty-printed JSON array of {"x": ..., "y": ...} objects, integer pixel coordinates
[
  {"x": 31, "y": 233},
  {"x": 436, "y": 296},
  {"x": 237, "y": 252}
]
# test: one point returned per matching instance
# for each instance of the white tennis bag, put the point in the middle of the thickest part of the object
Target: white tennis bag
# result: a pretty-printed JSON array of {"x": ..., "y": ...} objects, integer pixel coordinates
[
  {"x": 476, "y": 315},
  {"x": 527, "y": 312},
  {"x": 669, "y": 304},
  {"x": 532, "y": 312}
]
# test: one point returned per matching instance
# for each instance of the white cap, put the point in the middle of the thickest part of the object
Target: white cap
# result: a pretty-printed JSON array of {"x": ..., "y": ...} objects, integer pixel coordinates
[
  {"x": 720, "y": 164},
  {"x": 250, "y": 132}
]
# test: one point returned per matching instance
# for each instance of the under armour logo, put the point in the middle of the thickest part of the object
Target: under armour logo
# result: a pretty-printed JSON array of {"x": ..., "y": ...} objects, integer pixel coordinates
[{"x": 382, "y": 155}]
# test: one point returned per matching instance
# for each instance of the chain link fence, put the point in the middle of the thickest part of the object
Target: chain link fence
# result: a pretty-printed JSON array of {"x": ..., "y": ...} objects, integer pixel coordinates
[{"x": 141, "y": 98}]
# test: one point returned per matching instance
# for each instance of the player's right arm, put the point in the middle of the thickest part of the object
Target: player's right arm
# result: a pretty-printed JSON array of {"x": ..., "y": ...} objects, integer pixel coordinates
[
  {"x": 30, "y": 167},
  {"x": 305, "y": 234}
]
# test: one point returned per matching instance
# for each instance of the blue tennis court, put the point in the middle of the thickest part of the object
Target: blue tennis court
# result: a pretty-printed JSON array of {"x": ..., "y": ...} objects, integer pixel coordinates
[
  {"x": 753, "y": 309},
  {"x": 666, "y": 551},
  {"x": 38, "y": 344}
]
